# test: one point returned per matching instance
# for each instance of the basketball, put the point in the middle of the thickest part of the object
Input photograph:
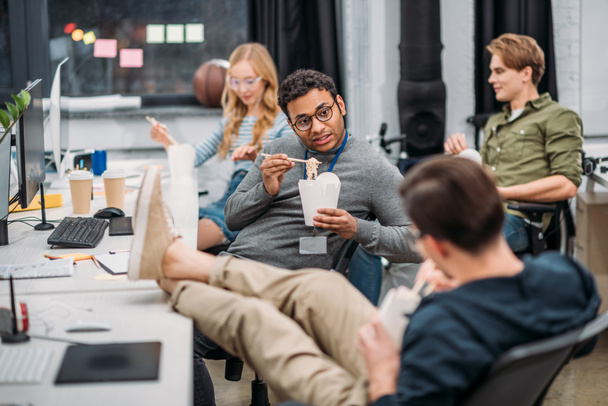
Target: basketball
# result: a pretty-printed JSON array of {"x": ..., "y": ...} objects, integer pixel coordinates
[{"x": 208, "y": 82}]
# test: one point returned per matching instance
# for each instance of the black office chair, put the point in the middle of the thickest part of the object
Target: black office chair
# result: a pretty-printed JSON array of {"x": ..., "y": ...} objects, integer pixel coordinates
[
  {"x": 560, "y": 232},
  {"x": 523, "y": 375}
]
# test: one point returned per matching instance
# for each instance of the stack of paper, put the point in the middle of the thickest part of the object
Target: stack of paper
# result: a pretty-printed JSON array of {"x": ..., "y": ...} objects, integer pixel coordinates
[{"x": 115, "y": 264}]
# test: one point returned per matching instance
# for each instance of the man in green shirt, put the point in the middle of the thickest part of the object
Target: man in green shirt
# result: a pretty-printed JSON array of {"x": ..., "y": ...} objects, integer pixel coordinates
[{"x": 534, "y": 145}]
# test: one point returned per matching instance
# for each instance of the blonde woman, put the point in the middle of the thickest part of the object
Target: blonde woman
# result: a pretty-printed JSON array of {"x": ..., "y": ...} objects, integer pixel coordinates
[{"x": 252, "y": 118}]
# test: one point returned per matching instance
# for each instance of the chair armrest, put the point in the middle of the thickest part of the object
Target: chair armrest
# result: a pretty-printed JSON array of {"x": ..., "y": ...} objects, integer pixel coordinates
[
  {"x": 532, "y": 207},
  {"x": 341, "y": 265}
]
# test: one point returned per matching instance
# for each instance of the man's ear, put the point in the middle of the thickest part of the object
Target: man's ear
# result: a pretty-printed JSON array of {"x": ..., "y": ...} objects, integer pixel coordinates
[
  {"x": 438, "y": 247},
  {"x": 291, "y": 125},
  {"x": 527, "y": 74},
  {"x": 341, "y": 104}
]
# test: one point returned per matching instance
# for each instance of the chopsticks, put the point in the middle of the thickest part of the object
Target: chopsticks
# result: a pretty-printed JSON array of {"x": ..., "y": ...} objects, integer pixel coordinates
[
  {"x": 420, "y": 283},
  {"x": 153, "y": 121},
  {"x": 289, "y": 159}
]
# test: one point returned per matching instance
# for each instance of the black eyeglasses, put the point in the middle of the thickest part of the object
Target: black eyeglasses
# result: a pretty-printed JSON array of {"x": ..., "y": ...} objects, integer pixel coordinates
[{"x": 323, "y": 114}]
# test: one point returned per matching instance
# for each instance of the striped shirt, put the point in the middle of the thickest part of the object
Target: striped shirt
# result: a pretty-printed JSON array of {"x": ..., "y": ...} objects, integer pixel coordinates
[{"x": 209, "y": 146}]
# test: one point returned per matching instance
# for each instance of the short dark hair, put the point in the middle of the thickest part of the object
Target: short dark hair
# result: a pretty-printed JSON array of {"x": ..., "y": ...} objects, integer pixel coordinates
[
  {"x": 454, "y": 199},
  {"x": 302, "y": 81}
]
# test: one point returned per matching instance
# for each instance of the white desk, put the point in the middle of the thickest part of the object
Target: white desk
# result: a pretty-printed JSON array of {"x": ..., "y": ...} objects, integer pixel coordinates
[
  {"x": 27, "y": 245},
  {"x": 136, "y": 311},
  {"x": 133, "y": 316}
]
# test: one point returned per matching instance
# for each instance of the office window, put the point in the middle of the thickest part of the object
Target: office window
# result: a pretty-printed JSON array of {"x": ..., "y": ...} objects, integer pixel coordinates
[{"x": 135, "y": 47}]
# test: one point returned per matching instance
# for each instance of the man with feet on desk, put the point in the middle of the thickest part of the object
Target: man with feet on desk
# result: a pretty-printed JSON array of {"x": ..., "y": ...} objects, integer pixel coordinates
[
  {"x": 317, "y": 340},
  {"x": 534, "y": 145}
]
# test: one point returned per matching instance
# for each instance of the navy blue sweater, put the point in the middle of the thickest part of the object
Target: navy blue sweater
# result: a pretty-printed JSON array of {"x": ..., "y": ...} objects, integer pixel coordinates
[{"x": 453, "y": 337}]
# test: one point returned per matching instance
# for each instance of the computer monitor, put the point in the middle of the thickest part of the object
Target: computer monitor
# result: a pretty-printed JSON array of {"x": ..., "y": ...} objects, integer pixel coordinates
[
  {"x": 53, "y": 129},
  {"x": 5, "y": 175},
  {"x": 30, "y": 146}
]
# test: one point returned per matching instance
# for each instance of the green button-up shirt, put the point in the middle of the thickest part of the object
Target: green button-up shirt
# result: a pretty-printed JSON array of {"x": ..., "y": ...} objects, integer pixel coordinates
[{"x": 545, "y": 140}]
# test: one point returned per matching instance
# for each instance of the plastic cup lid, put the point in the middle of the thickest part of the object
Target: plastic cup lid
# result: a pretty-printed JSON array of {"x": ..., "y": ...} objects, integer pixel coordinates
[
  {"x": 80, "y": 175},
  {"x": 114, "y": 173}
]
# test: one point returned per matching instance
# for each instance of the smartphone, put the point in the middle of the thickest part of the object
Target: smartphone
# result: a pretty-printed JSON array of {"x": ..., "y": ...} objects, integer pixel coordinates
[{"x": 120, "y": 226}]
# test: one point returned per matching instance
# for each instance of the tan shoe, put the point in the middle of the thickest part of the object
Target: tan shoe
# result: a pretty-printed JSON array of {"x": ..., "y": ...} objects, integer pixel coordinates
[{"x": 153, "y": 229}]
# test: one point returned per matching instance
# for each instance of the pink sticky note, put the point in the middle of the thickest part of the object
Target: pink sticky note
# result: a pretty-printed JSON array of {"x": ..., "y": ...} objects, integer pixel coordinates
[
  {"x": 105, "y": 48},
  {"x": 131, "y": 58}
]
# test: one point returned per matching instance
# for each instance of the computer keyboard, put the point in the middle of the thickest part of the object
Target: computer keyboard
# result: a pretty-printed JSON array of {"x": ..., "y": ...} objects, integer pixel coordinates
[
  {"x": 23, "y": 365},
  {"x": 78, "y": 232},
  {"x": 45, "y": 269}
]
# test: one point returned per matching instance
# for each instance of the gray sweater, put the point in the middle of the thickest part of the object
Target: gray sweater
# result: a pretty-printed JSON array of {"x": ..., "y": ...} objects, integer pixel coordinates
[{"x": 271, "y": 227}]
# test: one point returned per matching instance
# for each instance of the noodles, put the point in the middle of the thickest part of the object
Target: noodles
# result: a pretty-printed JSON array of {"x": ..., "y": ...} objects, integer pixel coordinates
[{"x": 311, "y": 168}]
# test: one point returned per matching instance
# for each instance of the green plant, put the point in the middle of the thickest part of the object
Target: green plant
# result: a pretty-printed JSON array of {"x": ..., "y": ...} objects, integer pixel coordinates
[{"x": 22, "y": 100}]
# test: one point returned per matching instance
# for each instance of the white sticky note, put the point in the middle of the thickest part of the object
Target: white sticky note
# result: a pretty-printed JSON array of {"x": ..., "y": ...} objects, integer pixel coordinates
[
  {"x": 175, "y": 33},
  {"x": 131, "y": 58},
  {"x": 155, "y": 33},
  {"x": 195, "y": 33},
  {"x": 105, "y": 48}
]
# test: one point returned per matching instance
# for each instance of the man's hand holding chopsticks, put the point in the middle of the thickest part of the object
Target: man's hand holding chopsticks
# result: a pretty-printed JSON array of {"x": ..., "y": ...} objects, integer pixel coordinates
[{"x": 273, "y": 169}]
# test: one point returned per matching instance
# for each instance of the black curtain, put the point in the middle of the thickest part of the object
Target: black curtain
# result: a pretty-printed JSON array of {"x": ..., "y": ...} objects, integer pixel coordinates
[
  {"x": 298, "y": 34},
  {"x": 496, "y": 17}
]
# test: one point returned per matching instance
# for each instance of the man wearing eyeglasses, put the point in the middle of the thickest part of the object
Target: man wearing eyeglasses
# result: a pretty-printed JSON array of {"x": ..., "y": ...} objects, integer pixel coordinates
[{"x": 267, "y": 208}]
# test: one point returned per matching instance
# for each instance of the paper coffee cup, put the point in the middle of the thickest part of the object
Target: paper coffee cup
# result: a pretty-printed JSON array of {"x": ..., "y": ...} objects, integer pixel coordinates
[
  {"x": 81, "y": 183},
  {"x": 322, "y": 192},
  {"x": 114, "y": 185},
  {"x": 181, "y": 162}
]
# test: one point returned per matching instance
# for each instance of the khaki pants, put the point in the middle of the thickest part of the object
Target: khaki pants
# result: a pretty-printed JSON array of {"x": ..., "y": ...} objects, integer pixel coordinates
[{"x": 298, "y": 329}]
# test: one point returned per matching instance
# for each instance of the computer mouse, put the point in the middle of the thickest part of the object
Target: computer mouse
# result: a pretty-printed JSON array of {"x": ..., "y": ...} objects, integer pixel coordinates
[
  {"x": 109, "y": 212},
  {"x": 81, "y": 326}
]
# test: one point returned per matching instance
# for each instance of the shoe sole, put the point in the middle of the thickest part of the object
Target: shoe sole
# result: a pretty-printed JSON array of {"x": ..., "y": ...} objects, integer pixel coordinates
[{"x": 141, "y": 224}]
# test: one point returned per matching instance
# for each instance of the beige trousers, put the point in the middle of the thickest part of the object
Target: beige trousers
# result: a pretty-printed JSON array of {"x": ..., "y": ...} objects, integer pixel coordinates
[{"x": 297, "y": 329}]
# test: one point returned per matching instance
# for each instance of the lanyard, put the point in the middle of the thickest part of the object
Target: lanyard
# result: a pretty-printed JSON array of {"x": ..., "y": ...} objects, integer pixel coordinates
[{"x": 335, "y": 158}]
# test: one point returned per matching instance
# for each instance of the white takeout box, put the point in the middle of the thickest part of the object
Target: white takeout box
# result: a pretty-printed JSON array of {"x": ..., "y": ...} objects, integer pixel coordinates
[{"x": 322, "y": 192}]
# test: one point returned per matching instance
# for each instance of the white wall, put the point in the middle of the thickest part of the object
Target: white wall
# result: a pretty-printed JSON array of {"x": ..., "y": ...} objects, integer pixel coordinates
[
  {"x": 457, "y": 36},
  {"x": 384, "y": 66},
  {"x": 371, "y": 34}
]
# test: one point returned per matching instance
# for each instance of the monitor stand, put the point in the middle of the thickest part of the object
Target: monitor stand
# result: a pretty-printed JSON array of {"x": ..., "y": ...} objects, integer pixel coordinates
[
  {"x": 3, "y": 232},
  {"x": 44, "y": 225}
]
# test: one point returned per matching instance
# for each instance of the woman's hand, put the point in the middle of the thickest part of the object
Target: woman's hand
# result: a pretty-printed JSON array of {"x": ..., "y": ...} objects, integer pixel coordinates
[
  {"x": 160, "y": 133},
  {"x": 245, "y": 152}
]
